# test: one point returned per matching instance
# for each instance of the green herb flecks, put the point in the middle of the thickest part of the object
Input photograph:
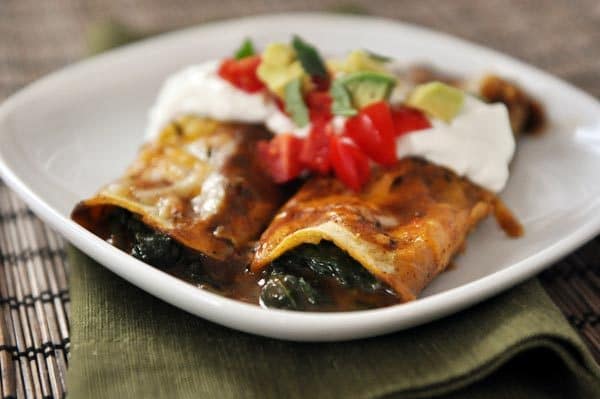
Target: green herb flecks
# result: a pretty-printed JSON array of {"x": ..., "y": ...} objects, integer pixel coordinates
[
  {"x": 294, "y": 103},
  {"x": 378, "y": 57},
  {"x": 245, "y": 50},
  {"x": 309, "y": 57}
]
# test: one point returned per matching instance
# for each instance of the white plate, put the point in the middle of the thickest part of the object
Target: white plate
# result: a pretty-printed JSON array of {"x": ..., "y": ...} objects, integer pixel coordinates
[{"x": 64, "y": 136}]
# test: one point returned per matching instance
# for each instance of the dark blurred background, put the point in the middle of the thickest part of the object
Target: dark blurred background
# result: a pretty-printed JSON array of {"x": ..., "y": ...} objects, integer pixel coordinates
[{"x": 562, "y": 37}]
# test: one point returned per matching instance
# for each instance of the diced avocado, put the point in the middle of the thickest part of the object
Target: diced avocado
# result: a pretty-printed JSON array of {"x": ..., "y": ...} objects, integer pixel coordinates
[
  {"x": 438, "y": 100},
  {"x": 335, "y": 65},
  {"x": 278, "y": 54},
  {"x": 277, "y": 77},
  {"x": 368, "y": 87},
  {"x": 278, "y": 67},
  {"x": 342, "y": 102},
  {"x": 360, "y": 60}
]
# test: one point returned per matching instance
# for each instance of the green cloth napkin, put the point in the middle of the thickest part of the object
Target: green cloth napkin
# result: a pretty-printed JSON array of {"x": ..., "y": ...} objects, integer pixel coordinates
[{"x": 128, "y": 344}]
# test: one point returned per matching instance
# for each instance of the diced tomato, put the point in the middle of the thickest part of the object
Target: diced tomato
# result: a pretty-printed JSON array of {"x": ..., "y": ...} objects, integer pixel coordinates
[
  {"x": 381, "y": 116},
  {"x": 373, "y": 131},
  {"x": 280, "y": 157},
  {"x": 349, "y": 163},
  {"x": 407, "y": 119},
  {"x": 319, "y": 105},
  {"x": 242, "y": 73},
  {"x": 315, "y": 153}
]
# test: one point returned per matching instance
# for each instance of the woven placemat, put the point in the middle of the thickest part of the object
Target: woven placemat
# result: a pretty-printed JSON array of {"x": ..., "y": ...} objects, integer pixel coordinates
[
  {"x": 37, "y": 37},
  {"x": 34, "y": 298}
]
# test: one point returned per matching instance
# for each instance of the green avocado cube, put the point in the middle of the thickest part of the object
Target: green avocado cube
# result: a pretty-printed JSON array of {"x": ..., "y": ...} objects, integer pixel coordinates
[
  {"x": 438, "y": 100},
  {"x": 367, "y": 87}
]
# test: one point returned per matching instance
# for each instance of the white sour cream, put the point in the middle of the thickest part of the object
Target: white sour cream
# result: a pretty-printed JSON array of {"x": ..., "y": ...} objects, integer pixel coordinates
[
  {"x": 478, "y": 143},
  {"x": 279, "y": 123},
  {"x": 199, "y": 90}
]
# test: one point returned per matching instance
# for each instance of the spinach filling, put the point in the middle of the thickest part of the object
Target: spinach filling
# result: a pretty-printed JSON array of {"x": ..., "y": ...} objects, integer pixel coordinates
[
  {"x": 286, "y": 291},
  {"x": 310, "y": 277},
  {"x": 155, "y": 248},
  {"x": 318, "y": 277},
  {"x": 143, "y": 243}
]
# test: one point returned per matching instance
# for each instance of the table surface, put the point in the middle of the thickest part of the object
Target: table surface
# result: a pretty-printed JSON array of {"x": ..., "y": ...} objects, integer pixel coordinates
[{"x": 37, "y": 37}]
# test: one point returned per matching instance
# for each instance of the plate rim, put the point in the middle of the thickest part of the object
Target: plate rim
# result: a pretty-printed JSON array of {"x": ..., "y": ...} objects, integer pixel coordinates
[{"x": 289, "y": 325}]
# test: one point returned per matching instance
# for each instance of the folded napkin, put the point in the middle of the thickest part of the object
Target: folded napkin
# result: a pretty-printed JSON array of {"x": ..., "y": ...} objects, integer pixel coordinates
[{"x": 128, "y": 344}]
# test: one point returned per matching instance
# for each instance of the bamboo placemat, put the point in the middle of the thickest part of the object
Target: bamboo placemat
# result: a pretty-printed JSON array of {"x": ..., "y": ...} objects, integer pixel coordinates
[
  {"x": 37, "y": 37},
  {"x": 34, "y": 299}
]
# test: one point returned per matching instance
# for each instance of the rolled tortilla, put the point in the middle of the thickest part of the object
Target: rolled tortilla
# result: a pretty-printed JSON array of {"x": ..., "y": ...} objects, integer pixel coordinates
[
  {"x": 199, "y": 182},
  {"x": 404, "y": 227}
]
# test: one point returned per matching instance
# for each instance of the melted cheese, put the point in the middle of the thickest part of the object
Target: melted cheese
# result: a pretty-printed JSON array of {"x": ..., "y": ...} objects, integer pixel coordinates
[
  {"x": 199, "y": 182},
  {"x": 404, "y": 227}
]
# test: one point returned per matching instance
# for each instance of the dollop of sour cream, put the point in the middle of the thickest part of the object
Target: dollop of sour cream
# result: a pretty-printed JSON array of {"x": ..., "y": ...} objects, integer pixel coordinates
[
  {"x": 199, "y": 90},
  {"x": 478, "y": 143}
]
